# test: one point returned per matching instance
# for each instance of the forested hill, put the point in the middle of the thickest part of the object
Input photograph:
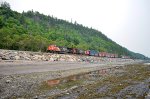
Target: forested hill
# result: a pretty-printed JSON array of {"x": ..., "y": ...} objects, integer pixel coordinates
[{"x": 34, "y": 32}]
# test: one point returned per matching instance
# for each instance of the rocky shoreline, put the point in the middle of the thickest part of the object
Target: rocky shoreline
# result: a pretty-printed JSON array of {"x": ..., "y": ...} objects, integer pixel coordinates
[
  {"x": 34, "y": 86},
  {"x": 26, "y": 85}
]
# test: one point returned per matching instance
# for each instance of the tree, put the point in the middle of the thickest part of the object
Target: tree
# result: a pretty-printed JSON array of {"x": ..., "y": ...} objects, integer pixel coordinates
[
  {"x": 1, "y": 22},
  {"x": 5, "y": 5}
]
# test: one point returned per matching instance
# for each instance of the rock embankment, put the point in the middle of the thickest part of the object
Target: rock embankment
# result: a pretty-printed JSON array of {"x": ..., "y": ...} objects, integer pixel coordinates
[
  {"x": 34, "y": 56},
  {"x": 40, "y": 56}
]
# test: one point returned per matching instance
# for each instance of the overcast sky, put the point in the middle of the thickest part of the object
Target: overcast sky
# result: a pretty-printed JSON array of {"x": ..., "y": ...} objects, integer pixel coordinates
[{"x": 126, "y": 22}]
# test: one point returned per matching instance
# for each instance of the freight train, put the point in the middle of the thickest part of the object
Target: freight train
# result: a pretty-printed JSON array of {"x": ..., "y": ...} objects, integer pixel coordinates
[{"x": 65, "y": 50}]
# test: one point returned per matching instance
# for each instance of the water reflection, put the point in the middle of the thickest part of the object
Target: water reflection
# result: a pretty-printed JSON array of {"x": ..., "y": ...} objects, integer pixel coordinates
[{"x": 90, "y": 76}]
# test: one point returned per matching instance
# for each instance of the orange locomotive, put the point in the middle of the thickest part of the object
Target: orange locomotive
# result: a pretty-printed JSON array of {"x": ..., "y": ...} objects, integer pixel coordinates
[{"x": 53, "y": 48}]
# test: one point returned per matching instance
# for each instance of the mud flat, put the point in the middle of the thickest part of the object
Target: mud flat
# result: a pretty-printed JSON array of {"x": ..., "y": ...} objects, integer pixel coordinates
[
  {"x": 59, "y": 79},
  {"x": 127, "y": 82}
]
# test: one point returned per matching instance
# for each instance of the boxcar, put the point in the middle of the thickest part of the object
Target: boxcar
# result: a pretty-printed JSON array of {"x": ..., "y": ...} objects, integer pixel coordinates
[
  {"x": 93, "y": 53},
  {"x": 102, "y": 54},
  {"x": 79, "y": 51},
  {"x": 71, "y": 50},
  {"x": 87, "y": 52}
]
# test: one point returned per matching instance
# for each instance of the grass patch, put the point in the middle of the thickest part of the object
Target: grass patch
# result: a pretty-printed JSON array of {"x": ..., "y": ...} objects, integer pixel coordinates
[
  {"x": 70, "y": 84},
  {"x": 45, "y": 86},
  {"x": 66, "y": 85}
]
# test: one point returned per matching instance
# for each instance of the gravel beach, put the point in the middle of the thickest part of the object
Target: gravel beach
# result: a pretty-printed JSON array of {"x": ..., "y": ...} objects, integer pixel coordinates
[{"x": 24, "y": 76}]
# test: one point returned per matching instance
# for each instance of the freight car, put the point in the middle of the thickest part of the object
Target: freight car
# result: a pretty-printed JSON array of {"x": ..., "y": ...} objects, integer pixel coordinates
[
  {"x": 102, "y": 54},
  {"x": 87, "y": 52},
  {"x": 79, "y": 51},
  {"x": 93, "y": 53},
  {"x": 63, "y": 50},
  {"x": 71, "y": 50}
]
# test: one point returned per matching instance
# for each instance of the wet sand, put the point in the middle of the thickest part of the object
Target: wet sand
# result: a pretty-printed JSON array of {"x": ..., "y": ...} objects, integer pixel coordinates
[{"x": 24, "y": 67}]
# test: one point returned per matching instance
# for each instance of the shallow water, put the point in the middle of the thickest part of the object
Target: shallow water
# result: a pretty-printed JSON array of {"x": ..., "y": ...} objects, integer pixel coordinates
[
  {"x": 131, "y": 81},
  {"x": 93, "y": 75}
]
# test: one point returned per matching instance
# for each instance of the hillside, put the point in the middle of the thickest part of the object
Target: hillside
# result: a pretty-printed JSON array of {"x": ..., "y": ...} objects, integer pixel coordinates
[{"x": 34, "y": 31}]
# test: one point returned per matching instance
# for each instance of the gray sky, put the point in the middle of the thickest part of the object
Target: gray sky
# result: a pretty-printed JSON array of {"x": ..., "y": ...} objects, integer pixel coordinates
[{"x": 126, "y": 22}]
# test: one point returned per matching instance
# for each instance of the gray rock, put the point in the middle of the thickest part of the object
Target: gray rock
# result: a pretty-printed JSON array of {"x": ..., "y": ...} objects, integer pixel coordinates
[
  {"x": 147, "y": 96},
  {"x": 106, "y": 98},
  {"x": 138, "y": 90},
  {"x": 8, "y": 81},
  {"x": 1, "y": 55},
  {"x": 69, "y": 96},
  {"x": 5, "y": 58},
  {"x": 17, "y": 57},
  {"x": 27, "y": 58},
  {"x": 36, "y": 97},
  {"x": 102, "y": 89}
]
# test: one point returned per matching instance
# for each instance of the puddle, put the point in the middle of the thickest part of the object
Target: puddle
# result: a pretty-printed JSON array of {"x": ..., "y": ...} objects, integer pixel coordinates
[
  {"x": 115, "y": 82},
  {"x": 131, "y": 81},
  {"x": 89, "y": 76}
]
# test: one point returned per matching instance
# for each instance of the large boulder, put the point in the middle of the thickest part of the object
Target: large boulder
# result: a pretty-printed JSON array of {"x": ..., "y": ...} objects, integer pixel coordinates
[
  {"x": 43, "y": 57},
  {"x": 1, "y": 56},
  {"x": 36, "y": 57},
  {"x": 17, "y": 57},
  {"x": 4, "y": 57}
]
